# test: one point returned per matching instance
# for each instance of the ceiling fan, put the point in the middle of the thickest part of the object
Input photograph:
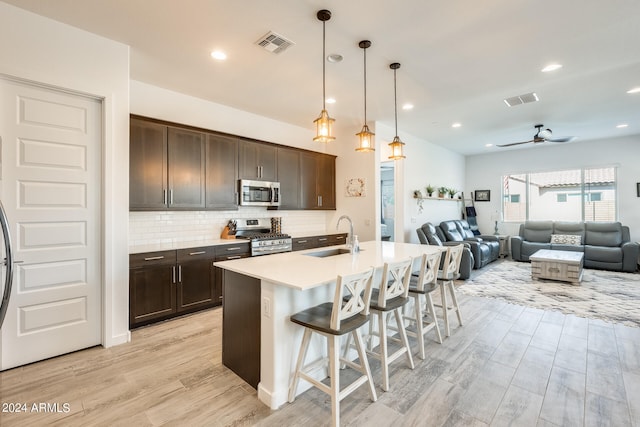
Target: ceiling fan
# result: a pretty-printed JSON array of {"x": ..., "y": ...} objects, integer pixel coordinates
[{"x": 542, "y": 135}]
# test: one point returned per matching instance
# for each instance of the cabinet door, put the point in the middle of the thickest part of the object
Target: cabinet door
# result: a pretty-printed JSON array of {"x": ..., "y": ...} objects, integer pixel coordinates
[
  {"x": 326, "y": 181},
  {"x": 221, "y": 172},
  {"x": 152, "y": 293},
  {"x": 147, "y": 165},
  {"x": 308, "y": 173},
  {"x": 257, "y": 161},
  {"x": 289, "y": 178},
  {"x": 195, "y": 289},
  {"x": 186, "y": 158}
]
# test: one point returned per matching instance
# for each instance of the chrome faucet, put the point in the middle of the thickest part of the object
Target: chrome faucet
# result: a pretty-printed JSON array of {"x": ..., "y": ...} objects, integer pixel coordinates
[{"x": 350, "y": 236}]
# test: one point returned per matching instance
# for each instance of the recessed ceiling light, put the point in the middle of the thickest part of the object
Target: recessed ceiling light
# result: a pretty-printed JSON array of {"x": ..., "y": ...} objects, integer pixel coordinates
[
  {"x": 407, "y": 107},
  {"x": 622, "y": 125},
  {"x": 335, "y": 57},
  {"x": 551, "y": 67},
  {"x": 488, "y": 145},
  {"x": 634, "y": 90},
  {"x": 219, "y": 55},
  {"x": 331, "y": 101},
  {"x": 456, "y": 125}
]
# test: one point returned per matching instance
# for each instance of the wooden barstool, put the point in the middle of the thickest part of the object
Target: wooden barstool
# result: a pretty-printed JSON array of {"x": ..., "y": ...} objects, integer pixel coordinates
[
  {"x": 421, "y": 286},
  {"x": 450, "y": 272},
  {"x": 390, "y": 296},
  {"x": 348, "y": 312}
]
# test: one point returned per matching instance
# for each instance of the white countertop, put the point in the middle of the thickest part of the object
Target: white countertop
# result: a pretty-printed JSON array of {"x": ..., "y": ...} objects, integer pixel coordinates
[
  {"x": 301, "y": 271},
  {"x": 172, "y": 246}
]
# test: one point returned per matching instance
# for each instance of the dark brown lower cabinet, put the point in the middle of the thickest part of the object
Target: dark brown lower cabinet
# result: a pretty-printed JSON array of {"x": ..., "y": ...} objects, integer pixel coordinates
[
  {"x": 196, "y": 288},
  {"x": 152, "y": 287}
]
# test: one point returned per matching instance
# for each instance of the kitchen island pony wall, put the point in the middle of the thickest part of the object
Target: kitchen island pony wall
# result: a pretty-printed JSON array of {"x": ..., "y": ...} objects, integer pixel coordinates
[
  {"x": 179, "y": 167},
  {"x": 280, "y": 285}
]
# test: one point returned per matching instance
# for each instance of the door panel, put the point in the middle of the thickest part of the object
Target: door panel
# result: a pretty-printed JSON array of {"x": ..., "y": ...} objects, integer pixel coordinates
[{"x": 50, "y": 185}]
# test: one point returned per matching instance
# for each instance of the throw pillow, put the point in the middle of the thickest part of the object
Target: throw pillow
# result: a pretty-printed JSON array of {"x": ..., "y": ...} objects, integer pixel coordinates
[{"x": 566, "y": 239}]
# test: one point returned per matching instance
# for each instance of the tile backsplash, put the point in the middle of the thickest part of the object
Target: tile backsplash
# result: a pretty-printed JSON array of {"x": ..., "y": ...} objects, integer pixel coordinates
[{"x": 149, "y": 228}]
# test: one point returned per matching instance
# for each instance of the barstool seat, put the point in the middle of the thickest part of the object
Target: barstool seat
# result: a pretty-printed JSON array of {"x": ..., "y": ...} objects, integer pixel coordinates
[
  {"x": 450, "y": 272},
  {"x": 333, "y": 320}
]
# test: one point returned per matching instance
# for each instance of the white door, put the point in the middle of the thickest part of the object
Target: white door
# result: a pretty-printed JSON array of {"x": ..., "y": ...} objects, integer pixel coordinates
[{"x": 51, "y": 189}]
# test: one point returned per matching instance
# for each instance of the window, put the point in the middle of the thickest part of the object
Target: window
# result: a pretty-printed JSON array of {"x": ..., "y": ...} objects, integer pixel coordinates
[{"x": 568, "y": 195}]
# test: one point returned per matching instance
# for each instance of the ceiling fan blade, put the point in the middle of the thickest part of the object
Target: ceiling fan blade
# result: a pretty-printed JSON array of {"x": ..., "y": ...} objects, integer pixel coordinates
[
  {"x": 515, "y": 143},
  {"x": 562, "y": 139}
]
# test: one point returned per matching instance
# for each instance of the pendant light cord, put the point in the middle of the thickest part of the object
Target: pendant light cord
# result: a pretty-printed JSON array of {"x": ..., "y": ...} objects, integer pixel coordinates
[
  {"x": 365, "y": 86},
  {"x": 395, "y": 99},
  {"x": 324, "y": 97}
]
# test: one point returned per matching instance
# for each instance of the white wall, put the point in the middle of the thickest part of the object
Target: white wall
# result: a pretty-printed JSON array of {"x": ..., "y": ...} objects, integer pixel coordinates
[
  {"x": 45, "y": 51},
  {"x": 484, "y": 172},
  {"x": 425, "y": 163}
]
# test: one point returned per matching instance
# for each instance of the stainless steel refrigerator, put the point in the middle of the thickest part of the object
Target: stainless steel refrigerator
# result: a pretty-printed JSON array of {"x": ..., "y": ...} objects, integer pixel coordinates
[{"x": 8, "y": 263}]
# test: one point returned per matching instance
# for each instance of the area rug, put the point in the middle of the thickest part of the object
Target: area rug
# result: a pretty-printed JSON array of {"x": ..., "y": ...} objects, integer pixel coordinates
[{"x": 605, "y": 295}]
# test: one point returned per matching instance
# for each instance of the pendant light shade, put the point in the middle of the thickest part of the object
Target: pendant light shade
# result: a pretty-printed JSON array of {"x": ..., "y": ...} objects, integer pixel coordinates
[
  {"x": 324, "y": 123},
  {"x": 365, "y": 136},
  {"x": 396, "y": 145}
]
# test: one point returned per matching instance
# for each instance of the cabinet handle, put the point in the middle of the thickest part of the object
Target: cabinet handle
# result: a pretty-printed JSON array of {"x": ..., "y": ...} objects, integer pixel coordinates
[
  {"x": 164, "y": 196},
  {"x": 339, "y": 237},
  {"x": 197, "y": 253},
  {"x": 234, "y": 249},
  {"x": 322, "y": 239},
  {"x": 258, "y": 171},
  {"x": 234, "y": 257},
  {"x": 261, "y": 170},
  {"x": 153, "y": 258},
  {"x": 301, "y": 241},
  {"x": 319, "y": 200},
  {"x": 173, "y": 274},
  {"x": 180, "y": 274},
  {"x": 171, "y": 197}
]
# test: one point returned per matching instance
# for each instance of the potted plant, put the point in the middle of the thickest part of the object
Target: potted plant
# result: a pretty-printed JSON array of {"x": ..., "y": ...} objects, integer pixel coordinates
[
  {"x": 430, "y": 189},
  {"x": 452, "y": 192},
  {"x": 417, "y": 194},
  {"x": 442, "y": 191}
]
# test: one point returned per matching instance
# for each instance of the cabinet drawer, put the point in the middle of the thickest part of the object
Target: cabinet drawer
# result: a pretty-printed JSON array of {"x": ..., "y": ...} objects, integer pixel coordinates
[
  {"x": 304, "y": 243},
  {"x": 148, "y": 259},
  {"x": 232, "y": 251},
  {"x": 193, "y": 254},
  {"x": 332, "y": 239}
]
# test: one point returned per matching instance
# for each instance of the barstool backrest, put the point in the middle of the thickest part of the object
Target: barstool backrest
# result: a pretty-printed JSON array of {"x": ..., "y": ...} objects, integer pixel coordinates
[
  {"x": 428, "y": 270},
  {"x": 352, "y": 297},
  {"x": 395, "y": 281},
  {"x": 451, "y": 267}
]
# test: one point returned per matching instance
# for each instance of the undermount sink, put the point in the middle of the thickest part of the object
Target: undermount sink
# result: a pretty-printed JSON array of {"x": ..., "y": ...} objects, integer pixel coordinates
[{"x": 329, "y": 252}]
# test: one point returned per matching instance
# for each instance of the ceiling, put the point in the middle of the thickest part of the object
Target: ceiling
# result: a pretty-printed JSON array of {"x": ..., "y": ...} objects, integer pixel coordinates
[{"x": 460, "y": 59}]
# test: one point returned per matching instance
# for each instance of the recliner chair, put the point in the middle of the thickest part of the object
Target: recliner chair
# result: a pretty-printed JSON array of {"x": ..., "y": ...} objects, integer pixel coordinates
[
  {"x": 485, "y": 248},
  {"x": 428, "y": 234}
]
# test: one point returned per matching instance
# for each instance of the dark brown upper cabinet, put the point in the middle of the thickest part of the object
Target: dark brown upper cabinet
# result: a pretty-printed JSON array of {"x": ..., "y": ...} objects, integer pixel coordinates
[
  {"x": 258, "y": 161},
  {"x": 221, "y": 172},
  {"x": 318, "y": 181},
  {"x": 147, "y": 165},
  {"x": 289, "y": 178},
  {"x": 166, "y": 167}
]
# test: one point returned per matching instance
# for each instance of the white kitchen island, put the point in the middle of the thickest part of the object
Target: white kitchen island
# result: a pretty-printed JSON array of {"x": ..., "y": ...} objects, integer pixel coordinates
[{"x": 290, "y": 282}]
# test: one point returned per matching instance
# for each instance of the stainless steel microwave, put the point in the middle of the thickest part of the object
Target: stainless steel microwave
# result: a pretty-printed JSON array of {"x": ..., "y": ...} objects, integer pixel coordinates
[{"x": 259, "y": 193}]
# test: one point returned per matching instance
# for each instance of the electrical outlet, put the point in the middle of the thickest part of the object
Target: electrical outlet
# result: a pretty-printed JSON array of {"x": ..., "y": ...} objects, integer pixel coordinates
[
  {"x": 413, "y": 219},
  {"x": 266, "y": 307},
  {"x": 367, "y": 222}
]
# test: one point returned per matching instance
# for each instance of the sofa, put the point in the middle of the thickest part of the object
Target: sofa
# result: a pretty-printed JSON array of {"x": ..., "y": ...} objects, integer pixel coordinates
[
  {"x": 485, "y": 248},
  {"x": 428, "y": 235},
  {"x": 606, "y": 245}
]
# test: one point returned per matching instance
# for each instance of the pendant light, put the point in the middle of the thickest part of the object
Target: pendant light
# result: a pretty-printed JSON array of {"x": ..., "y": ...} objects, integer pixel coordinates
[
  {"x": 324, "y": 123},
  {"x": 365, "y": 136},
  {"x": 396, "y": 144}
]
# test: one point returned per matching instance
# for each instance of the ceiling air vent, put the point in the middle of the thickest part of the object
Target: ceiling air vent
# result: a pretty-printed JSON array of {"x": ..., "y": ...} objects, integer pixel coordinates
[
  {"x": 521, "y": 99},
  {"x": 274, "y": 42}
]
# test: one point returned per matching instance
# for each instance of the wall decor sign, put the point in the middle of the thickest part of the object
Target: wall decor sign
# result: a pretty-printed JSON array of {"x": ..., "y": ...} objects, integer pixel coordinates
[
  {"x": 482, "y": 195},
  {"x": 355, "y": 187}
]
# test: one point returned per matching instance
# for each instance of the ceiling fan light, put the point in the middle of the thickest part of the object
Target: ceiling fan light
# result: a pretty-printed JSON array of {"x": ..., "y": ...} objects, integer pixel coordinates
[{"x": 544, "y": 133}]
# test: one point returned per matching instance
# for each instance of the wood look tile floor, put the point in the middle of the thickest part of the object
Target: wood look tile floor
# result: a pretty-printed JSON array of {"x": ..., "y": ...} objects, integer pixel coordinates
[{"x": 508, "y": 365}]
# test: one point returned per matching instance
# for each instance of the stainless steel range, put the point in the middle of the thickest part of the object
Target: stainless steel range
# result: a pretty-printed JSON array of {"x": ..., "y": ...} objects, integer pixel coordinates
[{"x": 263, "y": 239}]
